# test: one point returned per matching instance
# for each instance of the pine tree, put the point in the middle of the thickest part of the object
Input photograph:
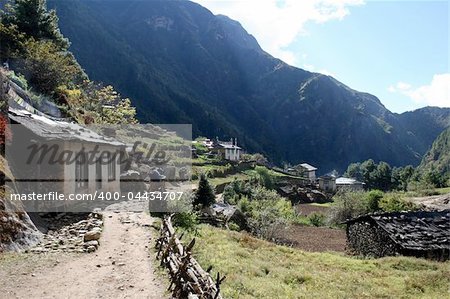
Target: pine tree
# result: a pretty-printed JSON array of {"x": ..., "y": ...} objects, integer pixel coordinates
[
  {"x": 204, "y": 196},
  {"x": 32, "y": 18}
]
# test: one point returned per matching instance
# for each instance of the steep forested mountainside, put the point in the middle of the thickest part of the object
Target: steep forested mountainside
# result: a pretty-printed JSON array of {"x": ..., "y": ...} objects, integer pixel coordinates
[
  {"x": 179, "y": 63},
  {"x": 438, "y": 157}
]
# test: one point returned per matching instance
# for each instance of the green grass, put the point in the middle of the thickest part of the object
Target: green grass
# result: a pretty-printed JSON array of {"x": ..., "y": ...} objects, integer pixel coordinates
[
  {"x": 325, "y": 205},
  {"x": 443, "y": 190},
  {"x": 423, "y": 193},
  {"x": 228, "y": 179},
  {"x": 258, "y": 269}
]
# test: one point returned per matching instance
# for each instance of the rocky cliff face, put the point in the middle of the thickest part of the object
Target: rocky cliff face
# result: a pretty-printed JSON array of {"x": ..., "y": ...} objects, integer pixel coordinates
[{"x": 17, "y": 231}]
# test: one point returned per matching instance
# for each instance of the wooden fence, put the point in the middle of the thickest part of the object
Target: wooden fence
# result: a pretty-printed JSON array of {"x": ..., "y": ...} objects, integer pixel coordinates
[{"x": 187, "y": 278}]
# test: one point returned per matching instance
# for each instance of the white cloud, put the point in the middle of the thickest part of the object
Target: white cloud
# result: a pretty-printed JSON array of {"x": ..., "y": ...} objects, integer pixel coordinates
[
  {"x": 277, "y": 23},
  {"x": 434, "y": 94},
  {"x": 312, "y": 68}
]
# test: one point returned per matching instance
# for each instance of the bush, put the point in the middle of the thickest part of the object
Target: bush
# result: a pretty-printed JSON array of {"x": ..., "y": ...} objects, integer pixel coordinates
[
  {"x": 348, "y": 205},
  {"x": 266, "y": 217},
  {"x": 373, "y": 199},
  {"x": 316, "y": 219},
  {"x": 264, "y": 177},
  {"x": 47, "y": 67},
  {"x": 184, "y": 216},
  {"x": 267, "y": 212},
  {"x": 18, "y": 79},
  {"x": 229, "y": 195},
  {"x": 395, "y": 203},
  {"x": 233, "y": 226},
  {"x": 186, "y": 220}
]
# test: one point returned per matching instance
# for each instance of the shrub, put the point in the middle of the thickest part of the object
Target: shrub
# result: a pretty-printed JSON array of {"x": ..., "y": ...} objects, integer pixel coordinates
[
  {"x": 395, "y": 203},
  {"x": 316, "y": 219},
  {"x": 264, "y": 178},
  {"x": 186, "y": 220},
  {"x": 373, "y": 199},
  {"x": 267, "y": 212},
  {"x": 233, "y": 226},
  {"x": 47, "y": 67},
  {"x": 266, "y": 217},
  {"x": 18, "y": 79},
  {"x": 347, "y": 205},
  {"x": 229, "y": 195}
]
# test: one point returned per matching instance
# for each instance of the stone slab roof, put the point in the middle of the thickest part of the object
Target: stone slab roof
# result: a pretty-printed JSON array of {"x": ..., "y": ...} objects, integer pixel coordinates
[
  {"x": 56, "y": 130},
  {"x": 419, "y": 230}
]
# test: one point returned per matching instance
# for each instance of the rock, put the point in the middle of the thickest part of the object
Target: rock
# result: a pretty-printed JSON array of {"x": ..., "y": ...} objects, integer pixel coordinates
[
  {"x": 37, "y": 249},
  {"x": 92, "y": 235},
  {"x": 91, "y": 249},
  {"x": 91, "y": 243}
]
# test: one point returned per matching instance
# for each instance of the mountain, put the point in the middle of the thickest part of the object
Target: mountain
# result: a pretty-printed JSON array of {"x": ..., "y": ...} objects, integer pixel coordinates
[
  {"x": 438, "y": 157},
  {"x": 425, "y": 124},
  {"x": 179, "y": 63}
]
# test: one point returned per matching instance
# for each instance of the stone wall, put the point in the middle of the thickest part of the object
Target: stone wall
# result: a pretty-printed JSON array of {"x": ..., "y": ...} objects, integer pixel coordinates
[{"x": 366, "y": 238}]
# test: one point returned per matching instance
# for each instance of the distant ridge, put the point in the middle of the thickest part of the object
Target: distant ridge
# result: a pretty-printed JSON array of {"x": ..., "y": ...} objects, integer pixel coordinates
[{"x": 181, "y": 64}]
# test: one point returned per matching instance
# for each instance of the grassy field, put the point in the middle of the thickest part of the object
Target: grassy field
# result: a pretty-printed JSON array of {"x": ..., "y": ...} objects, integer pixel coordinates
[{"x": 258, "y": 269}]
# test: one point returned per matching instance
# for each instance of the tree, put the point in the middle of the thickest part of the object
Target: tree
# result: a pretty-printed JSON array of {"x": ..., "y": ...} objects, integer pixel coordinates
[
  {"x": 32, "y": 18},
  {"x": 12, "y": 41},
  {"x": 264, "y": 177},
  {"x": 47, "y": 68},
  {"x": 434, "y": 178},
  {"x": 92, "y": 102},
  {"x": 204, "y": 197},
  {"x": 354, "y": 171},
  {"x": 401, "y": 176},
  {"x": 369, "y": 172},
  {"x": 383, "y": 176}
]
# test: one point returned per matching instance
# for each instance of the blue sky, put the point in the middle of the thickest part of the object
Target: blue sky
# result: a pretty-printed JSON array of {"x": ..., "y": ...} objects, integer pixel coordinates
[{"x": 396, "y": 50}]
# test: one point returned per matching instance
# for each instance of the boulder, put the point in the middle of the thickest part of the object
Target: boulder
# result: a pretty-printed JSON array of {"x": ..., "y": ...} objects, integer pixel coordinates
[{"x": 92, "y": 235}]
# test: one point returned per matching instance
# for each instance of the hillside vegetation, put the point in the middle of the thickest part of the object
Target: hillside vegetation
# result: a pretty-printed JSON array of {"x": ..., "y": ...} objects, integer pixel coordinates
[
  {"x": 437, "y": 159},
  {"x": 39, "y": 61}
]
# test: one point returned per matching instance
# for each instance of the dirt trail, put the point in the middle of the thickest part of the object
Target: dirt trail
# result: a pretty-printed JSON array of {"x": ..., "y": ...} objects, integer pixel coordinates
[{"x": 120, "y": 268}]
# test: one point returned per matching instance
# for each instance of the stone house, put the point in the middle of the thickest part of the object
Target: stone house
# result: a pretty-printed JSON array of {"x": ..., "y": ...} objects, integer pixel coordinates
[
  {"x": 62, "y": 156},
  {"x": 419, "y": 234},
  {"x": 227, "y": 150},
  {"x": 349, "y": 184},
  {"x": 327, "y": 183},
  {"x": 303, "y": 170}
]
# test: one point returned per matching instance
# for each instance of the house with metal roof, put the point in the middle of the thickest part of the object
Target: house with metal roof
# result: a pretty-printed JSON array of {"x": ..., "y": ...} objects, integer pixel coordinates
[
  {"x": 227, "y": 150},
  {"x": 303, "y": 170},
  {"x": 349, "y": 184},
  {"x": 419, "y": 234}
]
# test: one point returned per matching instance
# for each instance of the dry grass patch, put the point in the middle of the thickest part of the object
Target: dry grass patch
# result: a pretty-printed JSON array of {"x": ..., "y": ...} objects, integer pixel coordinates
[{"x": 259, "y": 269}]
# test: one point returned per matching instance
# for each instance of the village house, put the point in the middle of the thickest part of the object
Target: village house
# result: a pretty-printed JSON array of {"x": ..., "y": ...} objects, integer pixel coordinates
[
  {"x": 227, "y": 150},
  {"x": 327, "y": 183},
  {"x": 419, "y": 234},
  {"x": 303, "y": 170},
  {"x": 83, "y": 174},
  {"x": 349, "y": 184}
]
